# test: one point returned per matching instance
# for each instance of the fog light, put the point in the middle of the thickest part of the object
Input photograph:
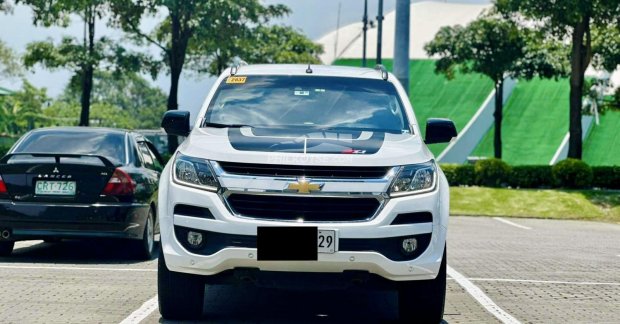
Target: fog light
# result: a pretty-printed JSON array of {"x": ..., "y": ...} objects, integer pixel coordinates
[
  {"x": 194, "y": 239},
  {"x": 410, "y": 245}
]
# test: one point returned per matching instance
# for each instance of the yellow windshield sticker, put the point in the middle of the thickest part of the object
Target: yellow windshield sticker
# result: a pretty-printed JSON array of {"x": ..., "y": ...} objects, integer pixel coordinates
[{"x": 236, "y": 79}]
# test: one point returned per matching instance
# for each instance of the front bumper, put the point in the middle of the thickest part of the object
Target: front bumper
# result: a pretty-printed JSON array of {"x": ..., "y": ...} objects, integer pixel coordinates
[
  {"x": 46, "y": 220},
  {"x": 423, "y": 267}
]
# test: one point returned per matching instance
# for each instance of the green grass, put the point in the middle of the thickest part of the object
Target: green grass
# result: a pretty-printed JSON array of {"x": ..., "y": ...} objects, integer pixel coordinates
[
  {"x": 602, "y": 147},
  {"x": 535, "y": 122},
  {"x": 432, "y": 95},
  {"x": 555, "y": 204}
]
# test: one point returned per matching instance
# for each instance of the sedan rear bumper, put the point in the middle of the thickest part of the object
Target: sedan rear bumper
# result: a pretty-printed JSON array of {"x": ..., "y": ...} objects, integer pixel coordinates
[{"x": 45, "y": 220}]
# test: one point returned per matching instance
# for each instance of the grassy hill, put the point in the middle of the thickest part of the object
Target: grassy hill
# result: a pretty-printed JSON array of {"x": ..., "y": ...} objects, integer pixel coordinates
[
  {"x": 433, "y": 95},
  {"x": 535, "y": 122},
  {"x": 602, "y": 147}
]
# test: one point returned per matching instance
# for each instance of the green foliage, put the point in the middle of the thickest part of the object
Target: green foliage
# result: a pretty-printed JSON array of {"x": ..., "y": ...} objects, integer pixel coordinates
[
  {"x": 22, "y": 111},
  {"x": 459, "y": 175},
  {"x": 572, "y": 173},
  {"x": 606, "y": 177},
  {"x": 274, "y": 44},
  {"x": 9, "y": 62},
  {"x": 491, "y": 46},
  {"x": 492, "y": 172},
  {"x": 134, "y": 95},
  {"x": 102, "y": 115},
  {"x": 531, "y": 176},
  {"x": 3, "y": 150}
]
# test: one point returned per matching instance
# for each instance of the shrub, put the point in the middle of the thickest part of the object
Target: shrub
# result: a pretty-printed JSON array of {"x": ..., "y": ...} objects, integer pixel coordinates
[
  {"x": 3, "y": 150},
  {"x": 492, "y": 172},
  {"x": 459, "y": 175},
  {"x": 572, "y": 173},
  {"x": 531, "y": 176},
  {"x": 606, "y": 177}
]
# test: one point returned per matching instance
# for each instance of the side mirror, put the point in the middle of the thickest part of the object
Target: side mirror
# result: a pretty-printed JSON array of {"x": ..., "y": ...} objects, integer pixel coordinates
[
  {"x": 176, "y": 122},
  {"x": 439, "y": 130}
]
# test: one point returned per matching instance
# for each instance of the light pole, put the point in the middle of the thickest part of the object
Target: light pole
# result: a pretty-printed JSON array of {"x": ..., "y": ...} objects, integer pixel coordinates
[
  {"x": 364, "y": 28},
  {"x": 379, "y": 30},
  {"x": 401, "y": 43}
]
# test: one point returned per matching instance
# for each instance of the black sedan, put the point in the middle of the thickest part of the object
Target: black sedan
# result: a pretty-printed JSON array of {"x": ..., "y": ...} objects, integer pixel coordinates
[{"x": 79, "y": 182}]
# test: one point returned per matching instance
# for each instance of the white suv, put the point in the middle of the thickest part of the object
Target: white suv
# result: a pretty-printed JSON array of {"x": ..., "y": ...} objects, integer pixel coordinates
[{"x": 300, "y": 176}]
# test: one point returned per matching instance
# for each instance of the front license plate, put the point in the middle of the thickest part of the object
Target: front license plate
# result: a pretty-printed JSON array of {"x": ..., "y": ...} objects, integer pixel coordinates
[
  {"x": 326, "y": 241},
  {"x": 57, "y": 188},
  {"x": 294, "y": 243}
]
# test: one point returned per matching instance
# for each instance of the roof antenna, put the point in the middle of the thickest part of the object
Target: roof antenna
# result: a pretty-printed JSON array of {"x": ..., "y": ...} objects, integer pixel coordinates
[{"x": 309, "y": 70}]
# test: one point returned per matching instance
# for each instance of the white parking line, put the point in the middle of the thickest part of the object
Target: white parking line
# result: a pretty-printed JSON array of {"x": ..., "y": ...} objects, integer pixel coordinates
[
  {"x": 76, "y": 268},
  {"x": 143, "y": 312},
  {"x": 585, "y": 283},
  {"x": 482, "y": 298},
  {"x": 499, "y": 219}
]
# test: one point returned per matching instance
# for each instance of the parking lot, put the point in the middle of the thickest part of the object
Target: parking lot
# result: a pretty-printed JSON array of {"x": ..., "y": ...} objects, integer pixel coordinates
[{"x": 510, "y": 270}]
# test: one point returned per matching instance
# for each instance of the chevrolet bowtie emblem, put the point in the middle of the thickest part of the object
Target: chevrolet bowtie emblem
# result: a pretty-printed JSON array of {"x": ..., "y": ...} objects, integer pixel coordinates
[{"x": 304, "y": 186}]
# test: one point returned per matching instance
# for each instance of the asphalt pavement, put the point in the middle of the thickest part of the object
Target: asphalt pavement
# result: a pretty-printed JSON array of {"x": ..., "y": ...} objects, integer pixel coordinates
[{"x": 500, "y": 270}]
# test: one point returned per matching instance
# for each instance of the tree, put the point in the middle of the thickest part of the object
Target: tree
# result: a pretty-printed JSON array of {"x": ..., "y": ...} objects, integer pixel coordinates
[
  {"x": 493, "y": 47},
  {"x": 84, "y": 56},
  {"x": 204, "y": 35},
  {"x": 20, "y": 111},
  {"x": 9, "y": 62},
  {"x": 574, "y": 21},
  {"x": 142, "y": 102},
  {"x": 260, "y": 44}
]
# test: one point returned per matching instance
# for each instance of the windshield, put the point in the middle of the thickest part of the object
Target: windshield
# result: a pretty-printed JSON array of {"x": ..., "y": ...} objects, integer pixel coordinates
[
  {"x": 307, "y": 101},
  {"x": 109, "y": 145}
]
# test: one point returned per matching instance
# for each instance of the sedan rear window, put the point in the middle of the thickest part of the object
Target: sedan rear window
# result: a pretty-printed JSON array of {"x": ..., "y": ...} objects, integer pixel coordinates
[{"x": 111, "y": 146}]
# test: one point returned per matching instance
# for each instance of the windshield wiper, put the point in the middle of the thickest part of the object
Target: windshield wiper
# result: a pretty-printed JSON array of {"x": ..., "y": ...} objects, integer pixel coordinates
[{"x": 218, "y": 125}]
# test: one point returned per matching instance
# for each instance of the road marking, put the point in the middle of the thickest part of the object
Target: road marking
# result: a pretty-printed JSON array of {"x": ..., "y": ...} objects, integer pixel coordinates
[
  {"x": 143, "y": 312},
  {"x": 499, "y": 219},
  {"x": 77, "y": 268},
  {"x": 586, "y": 283},
  {"x": 482, "y": 298}
]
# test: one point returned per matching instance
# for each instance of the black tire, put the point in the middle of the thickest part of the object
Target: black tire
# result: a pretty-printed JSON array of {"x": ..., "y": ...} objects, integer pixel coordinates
[
  {"x": 181, "y": 295},
  {"x": 6, "y": 248},
  {"x": 145, "y": 248},
  {"x": 423, "y": 301}
]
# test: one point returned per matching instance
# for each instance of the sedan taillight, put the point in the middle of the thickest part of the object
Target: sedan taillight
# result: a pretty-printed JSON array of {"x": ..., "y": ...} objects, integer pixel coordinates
[
  {"x": 120, "y": 184},
  {"x": 3, "y": 190}
]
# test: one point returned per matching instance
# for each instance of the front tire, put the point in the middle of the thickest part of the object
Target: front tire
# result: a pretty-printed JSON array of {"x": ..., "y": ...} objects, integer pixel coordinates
[
  {"x": 6, "y": 248},
  {"x": 423, "y": 301},
  {"x": 146, "y": 246},
  {"x": 181, "y": 295}
]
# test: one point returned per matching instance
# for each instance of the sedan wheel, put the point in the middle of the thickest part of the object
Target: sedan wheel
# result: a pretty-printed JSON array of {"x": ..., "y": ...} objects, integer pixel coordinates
[{"x": 146, "y": 246}]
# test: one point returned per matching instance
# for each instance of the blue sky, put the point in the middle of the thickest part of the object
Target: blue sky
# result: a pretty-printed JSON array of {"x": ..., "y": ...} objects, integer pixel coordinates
[{"x": 312, "y": 17}]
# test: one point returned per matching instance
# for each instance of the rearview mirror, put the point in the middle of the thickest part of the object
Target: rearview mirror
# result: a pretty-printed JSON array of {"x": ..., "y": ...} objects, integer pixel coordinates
[
  {"x": 439, "y": 130},
  {"x": 176, "y": 122}
]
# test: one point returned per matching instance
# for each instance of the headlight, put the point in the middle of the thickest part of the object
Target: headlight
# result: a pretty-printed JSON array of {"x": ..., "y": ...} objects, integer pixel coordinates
[
  {"x": 194, "y": 172},
  {"x": 414, "y": 179}
]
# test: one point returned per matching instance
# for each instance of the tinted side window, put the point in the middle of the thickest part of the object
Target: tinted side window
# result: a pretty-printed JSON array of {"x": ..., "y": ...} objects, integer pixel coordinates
[
  {"x": 146, "y": 155},
  {"x": 156, "y": 163}
]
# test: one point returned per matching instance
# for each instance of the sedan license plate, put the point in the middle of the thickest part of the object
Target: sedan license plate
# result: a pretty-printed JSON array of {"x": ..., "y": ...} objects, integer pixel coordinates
[
  {"x": 56, "y": 188},
  {"x": 326, "y": 241}
]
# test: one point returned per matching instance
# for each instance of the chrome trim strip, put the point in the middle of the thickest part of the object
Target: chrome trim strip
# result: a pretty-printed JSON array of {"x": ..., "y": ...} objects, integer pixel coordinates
[{"x": 278, "y": 185}]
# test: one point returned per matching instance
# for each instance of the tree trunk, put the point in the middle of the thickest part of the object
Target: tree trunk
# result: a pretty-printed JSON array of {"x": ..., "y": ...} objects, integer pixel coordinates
[
  {"x": 176, "y": 59},
  {"x": 88, "y": 68},
  {"x": 580, "y": 59},
  {"x": 498, "y": 114}
]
